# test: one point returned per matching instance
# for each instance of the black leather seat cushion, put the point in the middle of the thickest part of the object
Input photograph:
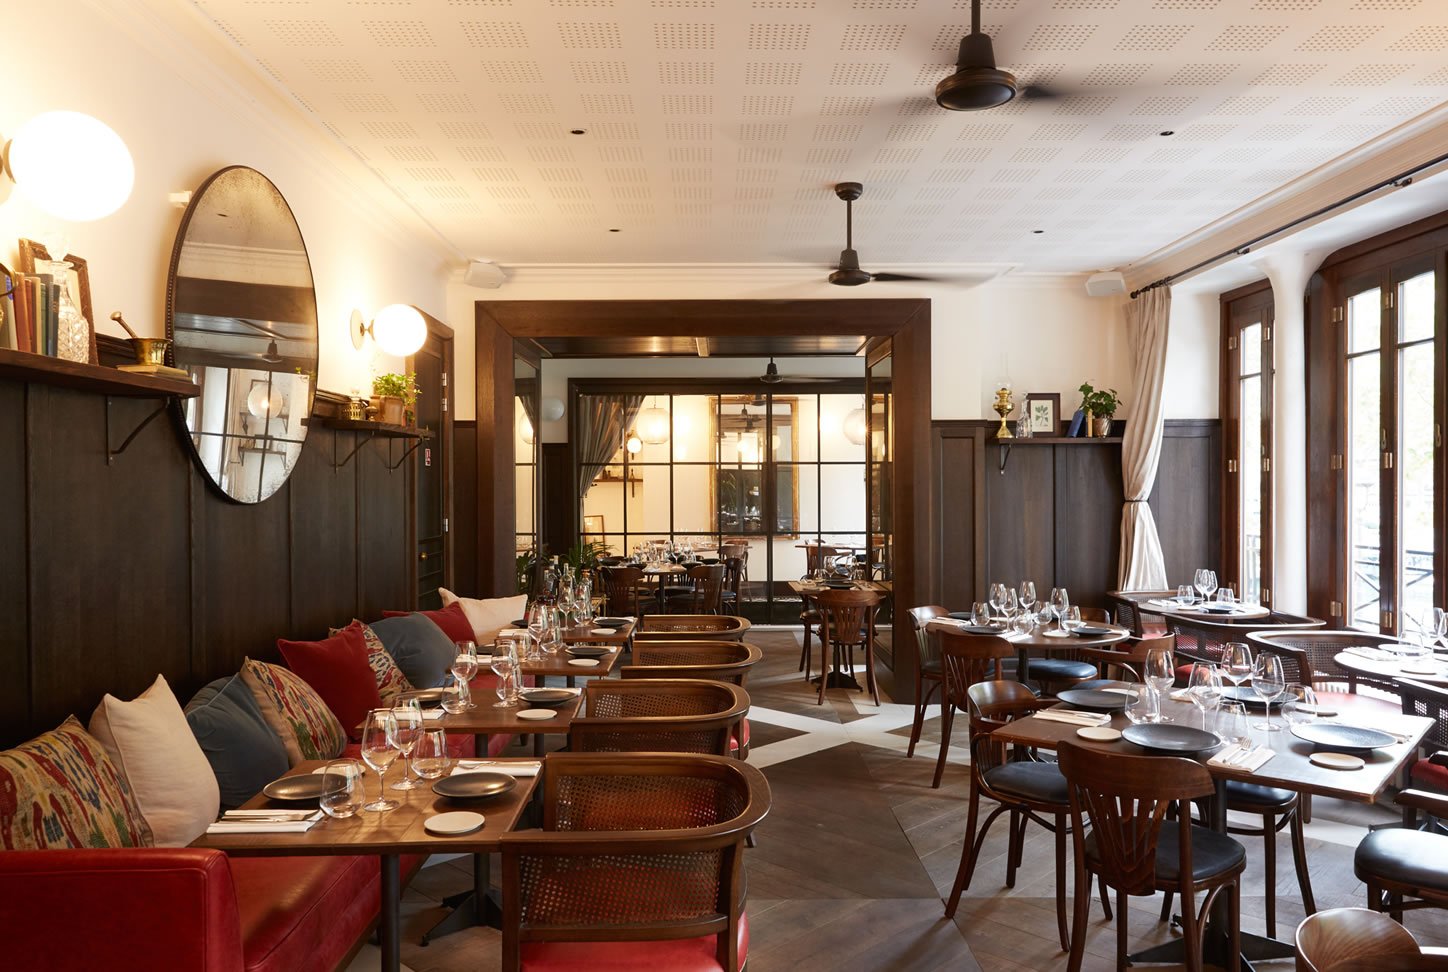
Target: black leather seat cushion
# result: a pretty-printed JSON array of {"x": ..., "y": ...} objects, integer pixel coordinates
[
  {"x": 1052, "y": 668},
  {"x": 931, "y": 667},
  {"x": 1410, "y": 857},
  {"x": 810, "y": 617},
  {"x": 1253, "y": 797},
  {"x": 1213, "y": 854},
  {"x": 1038, "y": 782}
]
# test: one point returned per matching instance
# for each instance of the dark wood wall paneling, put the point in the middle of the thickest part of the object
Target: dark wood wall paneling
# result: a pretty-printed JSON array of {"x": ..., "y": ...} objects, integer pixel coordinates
[
  {"x": 1054, "y": 513},
  {"x": 558, "y": 512},
  {"x": 114, "y": 573},
  {"x": 465, "y": 506}
]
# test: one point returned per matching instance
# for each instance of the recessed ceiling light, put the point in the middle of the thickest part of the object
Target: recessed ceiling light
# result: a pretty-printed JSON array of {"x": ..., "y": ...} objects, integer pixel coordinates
[
  {"x": 615, "y": 231},
  {"x": 577, "y": 131},
  {"x": 1038, "y": 232},
  {"x": 1166, "y": 133}
]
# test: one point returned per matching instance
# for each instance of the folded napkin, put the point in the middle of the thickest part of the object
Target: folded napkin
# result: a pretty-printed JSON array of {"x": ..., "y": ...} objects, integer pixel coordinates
[
  {"x": 1165, "y": 605},
  {"x": 428, "y": 714},
  {"x": 1373, "y": 654},
  {"x": 1014, "y": 636},
  {"x": 1233, "y": 756},
  {"x": 266, "y": 822},
  {"x": 521, "y": 767},
  {"x": 1181, "y": 695},
  {"x": 1074, "y": 717}
]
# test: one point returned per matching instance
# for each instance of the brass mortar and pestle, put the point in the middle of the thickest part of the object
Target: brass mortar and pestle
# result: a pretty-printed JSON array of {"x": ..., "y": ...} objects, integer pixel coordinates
[{"x": 148, "y": 351}]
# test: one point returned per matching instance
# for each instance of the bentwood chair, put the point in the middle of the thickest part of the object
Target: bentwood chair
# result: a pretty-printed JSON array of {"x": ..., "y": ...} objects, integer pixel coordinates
[
  {"x": 965, "y": 660},
  {"x": 720, "y": 661},
  {"x": 1404, "y": 862},
  {"x": 1429, "y": 701},
  {"x": 1308, "y": 657},
  {"x": 691, "y": 627},
  {"x": 1337, "y": 939},
  {"x": 847, "y": 622},
  {"x": 733, "y": 579},
  {"x": 1131, "y": 614},
  {"x": 1137, "y": 851},
  {"x": 621, "y": 590},
  {"x": 673, "y": 715},
  {"x": 929, "y": 678},
  {"x": 1124, "y": 661},
  {"x": 703, "y": 592},
  {"x": 638, "y": 865}
]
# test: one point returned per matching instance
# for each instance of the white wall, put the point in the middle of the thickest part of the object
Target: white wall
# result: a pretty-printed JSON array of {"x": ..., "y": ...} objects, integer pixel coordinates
[
  {"x": 1040, "y": 330},
  {"x": 183, "y": 119},
  {"x": 1193, "y": 356}
]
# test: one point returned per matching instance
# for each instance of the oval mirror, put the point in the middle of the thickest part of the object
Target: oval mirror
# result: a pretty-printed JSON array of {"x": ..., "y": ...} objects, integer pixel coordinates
[{"x": 242, "y": 315}]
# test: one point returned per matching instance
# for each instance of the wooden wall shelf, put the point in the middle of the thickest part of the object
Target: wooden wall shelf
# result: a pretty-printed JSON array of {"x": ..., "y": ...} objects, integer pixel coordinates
[
  {"x": 1006, "y": 445},
  {"x": 380, "y": 430},
  {"x": 99, "y": 379}
]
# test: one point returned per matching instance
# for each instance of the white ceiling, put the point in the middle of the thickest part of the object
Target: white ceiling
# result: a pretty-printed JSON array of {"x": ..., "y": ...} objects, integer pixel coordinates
[{"x": 714, "y": 128}]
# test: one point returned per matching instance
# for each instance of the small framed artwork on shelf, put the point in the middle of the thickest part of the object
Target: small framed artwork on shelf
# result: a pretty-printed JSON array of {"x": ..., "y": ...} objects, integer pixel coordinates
[
  {"x": 1043, "y": 410},
  {"x": 60, "y": 327}
]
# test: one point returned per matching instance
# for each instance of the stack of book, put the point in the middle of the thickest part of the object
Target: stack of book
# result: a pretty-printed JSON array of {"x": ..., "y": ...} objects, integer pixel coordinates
[{"x": 30, "y": 313}]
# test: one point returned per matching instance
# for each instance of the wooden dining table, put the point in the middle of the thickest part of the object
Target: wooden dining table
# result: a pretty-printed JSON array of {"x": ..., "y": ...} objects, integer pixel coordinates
[
  {"x": 1289, "y": 769},
  {"x": 1041, "y": 638},
  {"x": 386, "y": 836}
]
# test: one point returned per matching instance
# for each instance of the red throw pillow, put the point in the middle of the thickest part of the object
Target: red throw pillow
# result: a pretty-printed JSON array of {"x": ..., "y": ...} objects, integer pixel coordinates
[
  {"x": 451, "y": 619},
  {"x": 337, "y": 668}
]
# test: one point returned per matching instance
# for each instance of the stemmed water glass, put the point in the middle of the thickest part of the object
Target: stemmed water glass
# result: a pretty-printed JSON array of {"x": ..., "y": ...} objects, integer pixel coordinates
[
  {"x": 1205, "y": 582},
  {"x": 1160, "y": 673},
  {"x": 1028, "y": 595},
  {"x": 997, "y": 598},
  {"x": 1205, "y": 689},
  {"x": 504, "y": 665},
  {"x": 408, "y": 716},
  {"x": 1060, "y": 603},
  {"x": 430, "y": 759},
  {"x": 1010, "y": 605},
  {"x": 465, "y": 666},
  {"x": 1299, "y": 704},
  {"x": 1236, "y": 663},
  {"x": 379, "y": 751},
  {"x": 1268, "y": 682}
]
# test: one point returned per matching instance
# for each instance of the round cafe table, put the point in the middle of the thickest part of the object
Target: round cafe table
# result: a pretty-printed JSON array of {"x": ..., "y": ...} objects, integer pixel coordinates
[
  {"x": 1391, "y": 669},
  {"x": 1240, "y": 614},
  {"x": 1038, "y": 639}
]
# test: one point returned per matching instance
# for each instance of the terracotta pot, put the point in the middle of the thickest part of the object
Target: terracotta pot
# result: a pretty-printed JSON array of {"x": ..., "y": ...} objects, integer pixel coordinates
[
  {"x": 1101, "y": 427},
  {"x": 390, "y": 410}
]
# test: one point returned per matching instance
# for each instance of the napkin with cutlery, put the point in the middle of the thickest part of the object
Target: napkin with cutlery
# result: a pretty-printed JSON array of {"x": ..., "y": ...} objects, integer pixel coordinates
[
  {"x": 1074, "y": 717},
  {"x": 1248, "y": 758},
  {"x": 1161, "y": 605},
  {"x": 1372, "y": 654},
  {"x": 265, "y": 822},
  {"x": 512, "y": 767}
]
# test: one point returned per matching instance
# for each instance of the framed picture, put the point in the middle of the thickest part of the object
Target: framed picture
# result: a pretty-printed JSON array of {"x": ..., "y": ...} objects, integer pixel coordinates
[
  {"x": 1043, "y": 409},
  {"x": 78, "y": 283},
  {"x": 593, "y": 526}
]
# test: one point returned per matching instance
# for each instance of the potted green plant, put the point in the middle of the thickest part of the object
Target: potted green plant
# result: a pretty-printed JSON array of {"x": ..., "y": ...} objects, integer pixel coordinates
[
  {"x": 1100, "y": 406},
  {"x": 394, "y": 396}
]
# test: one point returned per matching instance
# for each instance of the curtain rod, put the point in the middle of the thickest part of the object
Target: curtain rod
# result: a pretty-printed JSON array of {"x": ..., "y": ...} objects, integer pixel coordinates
[{"x": 1399, "y": 181}]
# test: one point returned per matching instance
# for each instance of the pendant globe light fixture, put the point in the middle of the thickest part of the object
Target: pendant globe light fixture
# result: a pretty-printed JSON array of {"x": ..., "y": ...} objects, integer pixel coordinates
[
  {"x": 652, "y": 425},
  {"x": 855, "y": 427}
]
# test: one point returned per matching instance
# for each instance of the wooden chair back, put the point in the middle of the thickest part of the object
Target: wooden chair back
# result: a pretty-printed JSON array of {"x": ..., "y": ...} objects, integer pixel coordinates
[
  {"x": 733, "y": 577},
  {"x": 720, "y": 661},
  {"x": 968, "y": 660},
  {"x": 707, "y": 581},
  {"x": 691, "y": 627},
  {"x": 926, "y": 643},
  {"x": 1430, "y": 702},
  {"x": 1308, "y": 656},
  {"x": 1129, "y": 612},
  {"x": 1127, "y": 658},
  {"x": 847, "y": 617},
  {"x": 1095, "y": 614},
  {"x": 990, "y": 705},
  {"x": 818, "y": 555},
  {"x": 1332, "y": 939},
  {"x": 1126, "y": 799},
  {"x": 621, "y": 589},
  {"x": 633, "y": 847},
  {"x": 658, "y": 716}
]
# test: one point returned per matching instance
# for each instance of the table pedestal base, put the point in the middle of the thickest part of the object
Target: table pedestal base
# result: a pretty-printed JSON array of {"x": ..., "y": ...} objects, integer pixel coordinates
[
  {"x": 476, "y": 906},
  {"x": 1255, "y": 948},
  {"x": 839, "y": 680}
]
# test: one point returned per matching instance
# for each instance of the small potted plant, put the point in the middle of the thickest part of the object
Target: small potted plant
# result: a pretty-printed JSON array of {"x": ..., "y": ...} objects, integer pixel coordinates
[
  {"x": 394, "y": 396},
  {"x": 1100, "y": 406}
]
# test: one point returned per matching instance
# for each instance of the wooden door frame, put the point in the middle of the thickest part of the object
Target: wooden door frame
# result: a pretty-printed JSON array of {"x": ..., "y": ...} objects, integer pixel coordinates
[
  {"x": 1236, "y": 306},
  {"x": 444, "y": 335},
  {"x": 905, "y": 320}
]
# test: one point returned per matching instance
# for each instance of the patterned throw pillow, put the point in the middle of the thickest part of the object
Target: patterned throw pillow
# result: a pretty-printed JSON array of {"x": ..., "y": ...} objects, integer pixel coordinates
[
  {"x": 295, "y": 712},
  {"x": 60, "y": 789},
  {"x": 390, "y": 681}
]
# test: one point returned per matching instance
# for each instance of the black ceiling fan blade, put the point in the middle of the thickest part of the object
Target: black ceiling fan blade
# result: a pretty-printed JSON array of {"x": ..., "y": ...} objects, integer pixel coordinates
[
  {"x": 1036, "y": 92},
  {"x": 903, "y": 277}
]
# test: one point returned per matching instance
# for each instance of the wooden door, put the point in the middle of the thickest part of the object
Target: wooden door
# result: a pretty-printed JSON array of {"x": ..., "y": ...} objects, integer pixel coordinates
[{"x": 432, "y": 497}]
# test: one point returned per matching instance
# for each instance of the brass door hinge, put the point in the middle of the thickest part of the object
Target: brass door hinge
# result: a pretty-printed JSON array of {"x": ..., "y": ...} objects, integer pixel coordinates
[
  {"x": 1387, "y": 620},
  {"x": 1232, "y": 343},
  {"x": 1387, "y": 460},
  {"x": 1266, "y": 334},
  {"x": 1267, "y": 596},
  {"x": 1266, "y": 464},
  {"x": 1334, "y": 609},
  {"x": 444, "y": 379},
  {"x": 1334, "y": 461},
  {"x": 1337, "y": 315},
  {"x": 444, "y": 404},
  {"x": 1231, "y": 465},
  {"x": 1388, "y": 299}
]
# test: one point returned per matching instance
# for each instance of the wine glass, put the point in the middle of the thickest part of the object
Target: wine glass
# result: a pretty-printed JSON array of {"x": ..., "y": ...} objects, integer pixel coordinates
[
  {"x": 1233, "y": 726},
  {"x": 1205, "y": 583},
  {"x": 1028, "y": 594},
  {"x": 1205, "y": 689},
  {"x": 455, "y": 698},
  {"x": 997, "y": 597},
  {"x": 408, "y": 716},
  {"x": 1010, "y": 605},
  {"x": 1236, "y": 662},
  {"x": 1060, "y": 603},
  {"x": 1160, "y": 673},
  {"x": 503, "y": 666},
  {"x": 1268, "y": 682},
  {"x": 980, "y": 613},
  {"x": 430, "y": 759},
  {"x": 465, "y": 665},
  {"x": 552, "y": 638},
  {"x": 379, "y": 751},
  {"x": 342, "y": 794},
  {"x": 1184, "y": 594},
  {"x": 1299, "y": 704}
]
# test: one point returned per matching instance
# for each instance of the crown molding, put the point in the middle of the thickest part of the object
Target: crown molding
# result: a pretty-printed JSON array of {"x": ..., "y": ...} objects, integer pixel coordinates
[{"x": 1413, "y": 143}]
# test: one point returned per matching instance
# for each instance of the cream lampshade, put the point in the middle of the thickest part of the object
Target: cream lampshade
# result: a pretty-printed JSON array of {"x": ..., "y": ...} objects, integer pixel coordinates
[{"x": 70, "y": 165}]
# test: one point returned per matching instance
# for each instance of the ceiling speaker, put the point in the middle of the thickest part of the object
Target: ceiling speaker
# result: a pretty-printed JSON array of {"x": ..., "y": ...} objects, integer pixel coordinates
[
  {"x": 486, "y": 275},
  {"x": 1108, "y": 284}
]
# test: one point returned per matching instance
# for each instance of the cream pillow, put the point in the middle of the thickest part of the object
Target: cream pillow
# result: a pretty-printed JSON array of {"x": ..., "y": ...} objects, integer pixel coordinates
[
  {"x": 488, "y": 616},
  {"x": 151, "y": 743}
]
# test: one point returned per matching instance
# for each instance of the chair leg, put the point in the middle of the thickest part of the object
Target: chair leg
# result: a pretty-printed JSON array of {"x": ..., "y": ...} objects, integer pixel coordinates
[
  {"x": 966, "y": 870},
  {"x": 1013, "y": 847},
  {"x": 922, "y": 702},
  {"x": 804, "y": 654},
  {"x": 1079, "y": 916},
  {"x": 824, "y": 668},
  {"x": 1123, "y": 903},
  {"x": 1304, "y": 807},
  {"x": 1269, "y": 868},
  {"x": 1299, "y": 857},
  {"x": 1166, "y": 900},
  {"x": 947, "y": 719},
  {"x": 1061, "y": 882},
  {"x": 1234, "y": 925},
  {"x": 1105, "y": 898},
  {"x": 870, "y": 674},
  {"x": 1375, "y": 897},
  {"x": 1191, "y": 931}
]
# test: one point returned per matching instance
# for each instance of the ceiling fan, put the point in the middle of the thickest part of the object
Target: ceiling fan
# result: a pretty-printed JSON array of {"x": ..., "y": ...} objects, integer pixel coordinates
[
  {"x": 272, "y": 355},
  {"x": 772, "y": 376},
  {"x": 848, "y": 273},
  {"x": 977, "y": 83}
]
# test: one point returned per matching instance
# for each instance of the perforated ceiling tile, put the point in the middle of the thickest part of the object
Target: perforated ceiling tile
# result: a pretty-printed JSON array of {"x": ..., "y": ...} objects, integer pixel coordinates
[
  {"x": 986, "y": 133},
  {"x": 589, "y": 34},
  {"x": 1057, "y": 133},
  {"x": 949, "y": 175},
  {"x": 1079, "y": 175},
  {"x": 1246, "y": 37},
  {"x": 1437, "y": 78},
  {"x": 1243, "y": 105},
  {"x": 778, "y": 37},
  {"x": 538, "y": 131},
  {"x": 1287, "y": 75},
  {"x": 971, "y": 154},
  {"x": 909, "y": 132},
  {"x": 1386, "y": 4},
  {"x": 931, "y": 74},
  {"x": 464, "y": 129},
  {"x": 389, "y": 129},
  {"x": 1431, "y": 38},
  {"x": 1186, "y": 6},
  {"x": 837, "y": 106},
  {"x": 1288, "y": 5},
  {"x": 686, "y": 72},
  {"x": 872, "y": 37},
  {"x": 411, "y": 153},
  {"x": 763, "y": 132},
  {"x": 551, "y": 153},
  {"x": 1084, "y": 105},
  {"x": 599, "y": 72},
  {"x": 607, "y": 103},
  {"x": 615, "y": 131},
  {"x": 1205, "y": 133},
  {"x": 688, "y": 131},
  {"x": 338, "y": 69},
  {"x": 777, "y": 105},
  {"x": 1084, "y": 4},
  {"x": 896, "y": 156},
  {"x": 425, "y": 71},
  {"x": 1399, "y": 107},
  {"x": 365, "y": 101},
  {"x": 1277, "y": 133},
  {"x": 1104, "y": 154},
  {"x": 1369, "y": 75},
  {"x": 481, "y": 153},
  {"x": 520, "y": 102},
  {"x": 919, "y": 106},
  {"x": 1321, "y": 106},
  {"x": 1164, "y": 105},
  {"x": 1059, "y": 37},
  {"x": 499, "y": 34},
  {"x": 1338, "y": 38},
  {"x": 398, "y": 33},
  {"x": 1202, "y": 75},
  {"x": 513, "y": 72},
  {"x": 1115, "y": 75},
  {"x": 684, "y": 37},
  {"x": 1128, "y": 133},
  {"x": 1153, "y": 37},
  {"x": 870, "y": 74}
]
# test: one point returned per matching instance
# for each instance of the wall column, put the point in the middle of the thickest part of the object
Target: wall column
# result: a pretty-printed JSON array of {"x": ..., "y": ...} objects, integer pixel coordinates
[{"x": 1289, "y": 273}]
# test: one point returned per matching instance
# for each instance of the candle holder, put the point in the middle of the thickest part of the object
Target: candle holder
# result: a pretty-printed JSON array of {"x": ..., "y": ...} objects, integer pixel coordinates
[{"x": 1003, "y": 406}]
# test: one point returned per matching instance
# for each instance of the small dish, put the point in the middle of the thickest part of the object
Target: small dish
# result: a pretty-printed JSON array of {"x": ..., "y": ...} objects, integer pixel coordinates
[
  {"x": 587, "y": 651},
  {"x": 454, "y": 822},
  {"x": 547, "y": 696},
  {"x": 297, "y": 789},
  {"x": 1337, "y": 761},
  {"x": 1099, "y": 733},
  {"x": 536, "y": 715},
  {"x": 584, "y": 662}
]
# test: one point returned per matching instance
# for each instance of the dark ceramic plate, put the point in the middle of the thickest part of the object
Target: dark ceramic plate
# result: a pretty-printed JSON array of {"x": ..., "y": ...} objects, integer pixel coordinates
[
  {"x": 614, "y": 623},
  {"x": 425, "y": 697},
  {"x": 1093, "y": 631},
  {"x": 1093, "y": 700},
  {"x": 587, "y": 651},
  {"x": 1170, "y": 738},
  {"x": 1245, "y": 695},
  {"x": 1343, "y": 739},
  {"x": 839, "y": 585},
  {"x": 298, "y": 789},
  {"x": 518, "y": 623},
  {"x": 474, "y": 786},
  {"x": 546, "y": 696},
  {"x": 1216, "y": 609}
]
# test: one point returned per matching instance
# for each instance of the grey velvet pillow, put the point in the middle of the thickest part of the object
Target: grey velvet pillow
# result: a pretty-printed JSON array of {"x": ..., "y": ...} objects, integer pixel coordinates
[
  {"x": 421, "y": 649},
  {"x": 244, "y": 753}
]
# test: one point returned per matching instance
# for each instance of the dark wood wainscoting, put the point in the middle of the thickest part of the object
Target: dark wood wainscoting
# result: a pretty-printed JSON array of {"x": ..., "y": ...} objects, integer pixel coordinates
[
  {"x": 113, "y": 573},
  {"x": 1052, "y": 511},
  {"x": 465, "y": 506}
]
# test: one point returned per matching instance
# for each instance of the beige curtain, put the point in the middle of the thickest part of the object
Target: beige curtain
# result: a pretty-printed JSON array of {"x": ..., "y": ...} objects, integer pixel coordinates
[
  {"x": 602, "y": 422},
  {"x": 1142, "y": 567}
]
